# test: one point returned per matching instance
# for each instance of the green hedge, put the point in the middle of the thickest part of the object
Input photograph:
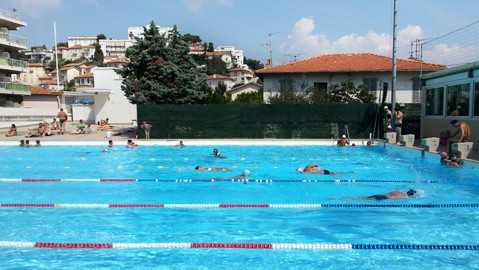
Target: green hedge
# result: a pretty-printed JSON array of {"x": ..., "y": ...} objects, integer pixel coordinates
[{"x": 258, "y": 121}]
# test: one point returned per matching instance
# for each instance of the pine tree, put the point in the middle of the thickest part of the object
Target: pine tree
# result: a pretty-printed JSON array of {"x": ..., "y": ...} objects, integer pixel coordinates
[
  {"x": 161, "y": 71},
  {"x": 98, "y": 55}
]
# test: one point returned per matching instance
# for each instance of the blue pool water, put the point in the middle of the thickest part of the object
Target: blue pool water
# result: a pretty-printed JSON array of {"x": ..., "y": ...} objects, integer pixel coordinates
[{"x": 365, "y": 225}]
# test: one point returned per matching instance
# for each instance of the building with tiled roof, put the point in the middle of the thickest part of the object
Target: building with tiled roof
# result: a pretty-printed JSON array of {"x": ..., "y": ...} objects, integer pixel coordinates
[
  {"x": 217, "y": 79},
  {"x": 371, "y": 70}
]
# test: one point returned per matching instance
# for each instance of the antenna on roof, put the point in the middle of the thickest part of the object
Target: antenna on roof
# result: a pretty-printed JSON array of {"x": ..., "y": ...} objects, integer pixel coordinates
[
  {"x": 269, "y": 45},
  {"x": 294, "y": 56}
]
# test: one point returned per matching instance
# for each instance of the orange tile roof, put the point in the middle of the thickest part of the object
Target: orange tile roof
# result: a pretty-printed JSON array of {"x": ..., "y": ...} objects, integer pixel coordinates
[
  {"x": 40, "y": 91},
  {"x": 35, "y": 65},
  {"x": 357, "y": 62}
]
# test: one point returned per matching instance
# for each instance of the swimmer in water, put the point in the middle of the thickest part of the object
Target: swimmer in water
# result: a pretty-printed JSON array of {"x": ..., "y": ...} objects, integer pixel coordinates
[
  {"x": 315, "y": 169},
  {"x": 393, "y": 195},
  {"x": 211, "y": 169},
  {"x": 451, "y": 162},
  {"x": 131, "y": 144},
  {"x": 110, "y": 146},
  {"x": 180, "y": 144},
  {"x": 217, "y": 154},
  {"x": 243, "y": 177}
]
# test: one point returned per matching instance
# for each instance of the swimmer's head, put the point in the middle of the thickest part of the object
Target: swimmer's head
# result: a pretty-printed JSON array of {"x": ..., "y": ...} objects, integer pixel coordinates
[
  {"x": 344, "y": 136},
  {"x": 246, "y": 172},
  {"x": 197, "y": 167},
  {"x": 300, "y": 170},
  {"x": 443, "y": 155},
  {"x": 415, "y": 193}
]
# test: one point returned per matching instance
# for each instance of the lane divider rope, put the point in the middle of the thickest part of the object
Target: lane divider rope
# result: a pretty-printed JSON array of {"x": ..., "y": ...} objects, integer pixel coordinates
[
  {"x": 240, "y": 206},
  {"x": 265, "y": 181},
  {"x": 224, "y": 245}
]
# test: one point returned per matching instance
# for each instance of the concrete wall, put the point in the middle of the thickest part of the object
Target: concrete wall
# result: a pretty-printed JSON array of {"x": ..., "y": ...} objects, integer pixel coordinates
[
  {"x": 301, "y": 82},
  {"x": 114, "y": 105},
  {"x": 45, "y": 105}
]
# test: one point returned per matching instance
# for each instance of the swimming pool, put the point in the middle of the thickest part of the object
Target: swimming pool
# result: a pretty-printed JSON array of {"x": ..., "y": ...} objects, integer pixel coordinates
[{"x": 163, "y": 214}]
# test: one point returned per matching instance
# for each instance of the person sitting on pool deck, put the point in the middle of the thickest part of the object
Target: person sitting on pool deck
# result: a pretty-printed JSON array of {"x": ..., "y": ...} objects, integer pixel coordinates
[
  {"x": 12, "y": 132},
  {"x": 211, "y": 169},
  {"x": 343, "y": 141},
  {"x": 315, "y": 169},
  {"x": 393, "y": 195},
  {"x": 217, "y": 154}
]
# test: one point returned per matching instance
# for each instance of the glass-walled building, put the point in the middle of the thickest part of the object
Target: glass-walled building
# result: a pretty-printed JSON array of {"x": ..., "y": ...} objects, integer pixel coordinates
[{"x": 451, "y": 94}]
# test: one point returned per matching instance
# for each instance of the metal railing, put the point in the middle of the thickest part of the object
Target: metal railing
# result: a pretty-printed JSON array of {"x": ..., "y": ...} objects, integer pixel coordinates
[
  {"x": 4, "y": 61},
  {"x": 14, "y": 87},
  {"x": 13, "y": 39}
]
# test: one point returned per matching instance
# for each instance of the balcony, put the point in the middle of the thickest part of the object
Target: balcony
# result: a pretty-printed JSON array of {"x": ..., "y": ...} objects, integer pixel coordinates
[
  {"x": 12, "y": 41},
  {"x": 10, "y": 20},
  {"x": 11, "y": 88},
  {"x": 13, "y": 65}
]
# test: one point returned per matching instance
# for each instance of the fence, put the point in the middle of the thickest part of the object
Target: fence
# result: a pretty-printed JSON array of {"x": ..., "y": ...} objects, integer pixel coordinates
[{"x": 258, "y": 121}]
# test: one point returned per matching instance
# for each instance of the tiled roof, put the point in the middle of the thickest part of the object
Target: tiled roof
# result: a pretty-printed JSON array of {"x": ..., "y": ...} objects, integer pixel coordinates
[
  {"x": 219, "y": 77},
  {"x": 357, "y": 62},
  {"x": 86, "y": 75},
  {"x": 40, "y": 91}
]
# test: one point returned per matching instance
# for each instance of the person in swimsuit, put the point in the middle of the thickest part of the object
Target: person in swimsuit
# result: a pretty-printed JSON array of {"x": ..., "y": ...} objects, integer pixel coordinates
[
  {"x": 453, "y": 161},
  {"x": 393, "y": 195},
  {"x": 131, "y": 144},
  {"x": 211, "y": 169},
  {"x": 217, "y": 154},
  {"x": 343, "y": 141},
  {"x": 63, "y": 117},
  {"x": 180, "y": 144},
  {"x": 315, "y": 169}
]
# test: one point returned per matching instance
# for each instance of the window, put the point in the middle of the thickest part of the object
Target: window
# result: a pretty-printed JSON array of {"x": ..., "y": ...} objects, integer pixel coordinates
[
  {"x": 371, "y": 84},
  {"x": 476, "y": 99},
  {"x": 416, "y": 84},
  {"x": 286, "y": 85},
  {"x": 320, "y": 86},
  {"x": 435, "y": 101},
  {"x": 458, "y": 100}
]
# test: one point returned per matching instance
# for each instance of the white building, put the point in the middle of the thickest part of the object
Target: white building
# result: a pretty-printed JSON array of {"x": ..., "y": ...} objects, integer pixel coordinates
[
  {"x": 236, "y": 54},
  {"x": 109, "y": 101},
  {"x": 370, "y": 70},
  {"x": 33, "y": 74},
  {"x": 39, "y": 55},
  {"x": 137, "y": 31},
  {"x": 77, "y": 52},
  {"x": 216, "y": 80},
  {"x": 81, "y": 41},
  {"x": 247, "y": 88},
  {"x": 115, "y": 47},
  {"x": 10, "y": 64}
]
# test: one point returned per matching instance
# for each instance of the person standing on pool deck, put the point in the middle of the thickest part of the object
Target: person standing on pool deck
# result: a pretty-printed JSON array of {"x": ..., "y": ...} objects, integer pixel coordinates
[
  {"x": 146, "y": 128},
  {"x": 62, "y": 117},
  {"x": 398, "y": 122}
]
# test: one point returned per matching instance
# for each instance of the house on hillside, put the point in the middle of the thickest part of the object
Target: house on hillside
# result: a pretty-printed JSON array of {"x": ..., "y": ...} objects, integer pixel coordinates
[
  {"x": 247, "y": 88},
  {"x": 217, "y": 79},
  {"x": 371, "y": 70}
]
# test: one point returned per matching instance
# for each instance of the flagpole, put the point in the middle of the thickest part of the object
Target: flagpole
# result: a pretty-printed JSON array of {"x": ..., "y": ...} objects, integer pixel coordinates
[{"x": 56, "y": 62}]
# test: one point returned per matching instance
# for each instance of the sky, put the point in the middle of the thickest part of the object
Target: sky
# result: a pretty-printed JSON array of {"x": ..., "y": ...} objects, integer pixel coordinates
[{"x": 303, "y": 28}]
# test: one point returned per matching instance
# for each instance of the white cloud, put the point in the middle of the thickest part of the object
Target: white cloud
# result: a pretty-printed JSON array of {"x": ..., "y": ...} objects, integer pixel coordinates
[
  {"x": 196, "y": 5},
  {"x": 304, "y": 39},
  {"x": 35, "y": 7}
]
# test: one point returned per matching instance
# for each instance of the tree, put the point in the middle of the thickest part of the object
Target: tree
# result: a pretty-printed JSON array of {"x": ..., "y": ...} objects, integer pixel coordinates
[
  {"x": 289, "y": 97},
  {"x": 211, "y": 47},
  {"x": 62, "y": 44},
  {"x": 253, "y": 64},
  {"x": 98, "y": 55},
  {"x": 192, "y": 38},
  {"x": 215, "y": 65},
  {"x": 347, "y": 92},
  {"x": 218, "y": 96},
  {"x": 100, "y": 36},
  {"x": 161, "y": 71},
  {"x": 249, "y": 98}
]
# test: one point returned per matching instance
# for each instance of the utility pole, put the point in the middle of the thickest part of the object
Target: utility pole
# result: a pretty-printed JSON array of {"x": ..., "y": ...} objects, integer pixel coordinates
[
  {"x": 62, "y": 102},
  {"x": 394, "y": 68}
]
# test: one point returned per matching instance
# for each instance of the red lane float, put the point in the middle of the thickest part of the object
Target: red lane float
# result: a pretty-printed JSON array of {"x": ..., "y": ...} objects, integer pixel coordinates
[
  {"x": 232, "y": 245},
  {"x": 117, "y": 180},
  {"x": 43, "y": 205},
  {"x": 224, "y": 205},
  {"x": 72, "y": 245},
  {"x": 40, "y": 180},
  {"x": 136, "y": 206}
]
